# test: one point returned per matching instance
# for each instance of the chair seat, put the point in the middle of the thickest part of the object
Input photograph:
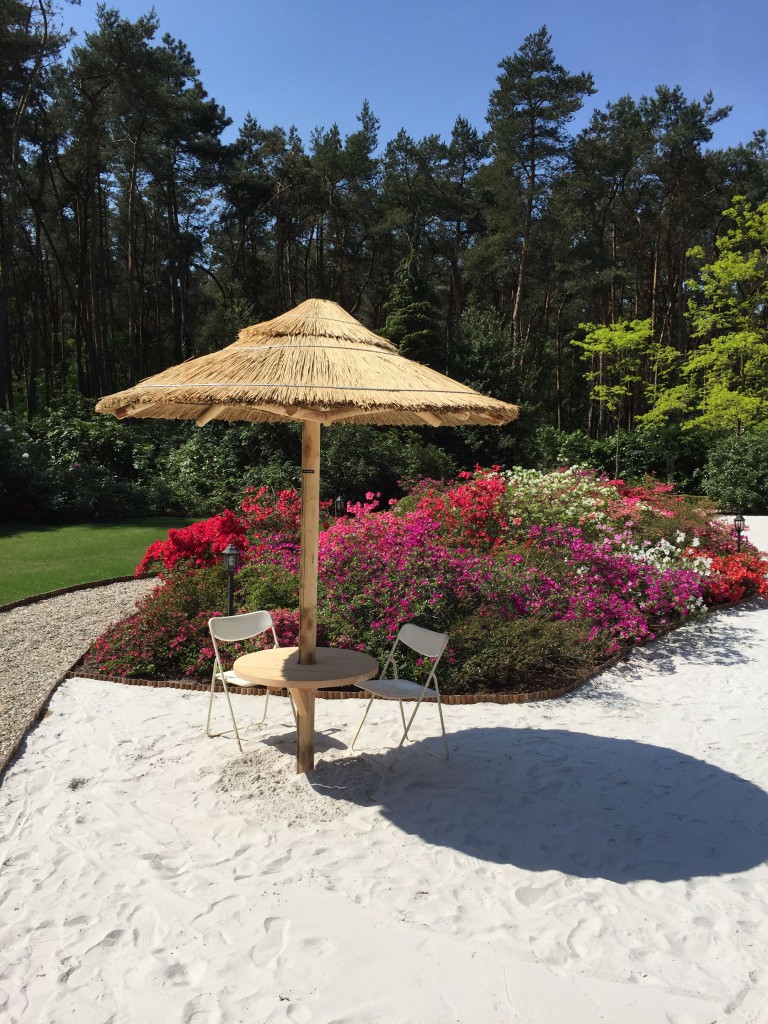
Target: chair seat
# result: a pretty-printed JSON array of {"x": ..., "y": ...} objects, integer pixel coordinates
[
  {"x": 234, "y": 680},
  {"x": 395, "y": 689}
]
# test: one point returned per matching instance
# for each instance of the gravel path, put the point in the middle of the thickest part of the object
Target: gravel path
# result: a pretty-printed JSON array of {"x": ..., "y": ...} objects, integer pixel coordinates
[{"x": 41, "y": 641}]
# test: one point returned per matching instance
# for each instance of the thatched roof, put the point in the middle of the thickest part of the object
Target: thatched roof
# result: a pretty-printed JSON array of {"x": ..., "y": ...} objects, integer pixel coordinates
[{"x": 315, "y": 362}]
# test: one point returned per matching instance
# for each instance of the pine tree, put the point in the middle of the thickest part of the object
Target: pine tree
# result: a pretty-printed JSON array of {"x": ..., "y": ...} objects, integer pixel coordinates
[
  {"x": 529, "y": 111},
  {"x": 413, "y": 319}
]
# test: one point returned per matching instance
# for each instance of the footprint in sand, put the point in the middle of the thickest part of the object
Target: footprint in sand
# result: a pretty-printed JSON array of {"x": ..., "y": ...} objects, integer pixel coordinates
[
  {"x": 298, "y": 1014},
  {"x": 582, "y": 937},
  {"x": 276, "y": 863},
  {"x": 191, "y": 973},
  {"x": 110, "y": 939},
  {"x": 270, "y": 949},
  {"x": 319, "y": 947},
  {"x": 147, "y": 933},
  {"x": 529, "y": 896},
  {"x": 199, "y": 1010}
]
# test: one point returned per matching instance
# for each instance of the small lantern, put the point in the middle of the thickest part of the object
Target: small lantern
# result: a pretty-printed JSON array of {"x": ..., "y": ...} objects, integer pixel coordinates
[
  {"x": 230, "y": 558},
  {"x": 738, "y": 523},
  {"x": 340, "y": 507}
]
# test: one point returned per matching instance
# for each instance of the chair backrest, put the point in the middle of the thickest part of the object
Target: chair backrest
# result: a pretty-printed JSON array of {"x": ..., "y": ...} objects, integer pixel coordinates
[
  {"x": 425, "y": 641},
  {"x": 241, "y": 627}
]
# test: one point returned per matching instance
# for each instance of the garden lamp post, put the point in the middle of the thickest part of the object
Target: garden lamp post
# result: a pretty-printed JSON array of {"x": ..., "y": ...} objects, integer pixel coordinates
[
  {"x": 738, "y": 523},
  {"x": 340, "y": 507},
  {"x": 230, "y": 557}
]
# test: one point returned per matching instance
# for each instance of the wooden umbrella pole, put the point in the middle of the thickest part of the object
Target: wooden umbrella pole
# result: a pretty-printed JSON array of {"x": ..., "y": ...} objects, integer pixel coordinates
[{"x": 310, "y": 527}]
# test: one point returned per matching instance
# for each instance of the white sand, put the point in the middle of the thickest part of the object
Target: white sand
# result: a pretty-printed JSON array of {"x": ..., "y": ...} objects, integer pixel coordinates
[{"x": 599, "y": 858}]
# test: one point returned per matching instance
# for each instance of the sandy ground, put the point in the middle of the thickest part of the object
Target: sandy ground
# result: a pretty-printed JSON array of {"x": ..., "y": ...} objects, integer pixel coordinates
[{"x": 599, "y": 858}]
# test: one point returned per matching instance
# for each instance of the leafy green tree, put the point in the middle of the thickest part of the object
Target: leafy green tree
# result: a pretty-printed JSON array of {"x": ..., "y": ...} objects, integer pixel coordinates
[
  {"x": 243, "y": 238},
  {"x": 689, "y": 196},
  {"x": 724, "y": 381},
  {"x": 616, "y": 355}
]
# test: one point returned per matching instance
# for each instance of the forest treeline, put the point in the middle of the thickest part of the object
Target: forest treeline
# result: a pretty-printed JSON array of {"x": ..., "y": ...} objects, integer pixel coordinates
[{"x": 132, "y": 236}]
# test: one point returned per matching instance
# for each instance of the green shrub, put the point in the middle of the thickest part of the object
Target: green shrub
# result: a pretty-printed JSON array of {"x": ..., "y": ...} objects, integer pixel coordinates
[
  {"x": 267, "y": 586},
  {"x": 356, "y": 459},
  {"x": 21, "y": 483},
  {"x": 668, "y": 453},
  {"x": 522, "y": 655},
  {"x": 736, "y": 474},
  {"x": 553, "y": 449}
]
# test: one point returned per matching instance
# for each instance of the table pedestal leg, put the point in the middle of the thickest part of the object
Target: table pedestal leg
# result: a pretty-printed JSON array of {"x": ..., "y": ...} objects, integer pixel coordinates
[{"x": 305, "y": 730}]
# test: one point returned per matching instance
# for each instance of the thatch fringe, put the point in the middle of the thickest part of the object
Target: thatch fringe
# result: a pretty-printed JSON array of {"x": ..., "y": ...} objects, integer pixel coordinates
[{"x": 314, "y": 363}]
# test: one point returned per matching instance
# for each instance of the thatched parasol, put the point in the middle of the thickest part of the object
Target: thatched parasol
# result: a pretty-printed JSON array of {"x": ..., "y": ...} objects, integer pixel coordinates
[{"x": 318, "y": 365}]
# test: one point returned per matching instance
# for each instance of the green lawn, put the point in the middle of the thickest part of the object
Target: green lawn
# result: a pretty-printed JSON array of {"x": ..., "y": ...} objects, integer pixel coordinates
[{"x": 36, "y": 559}]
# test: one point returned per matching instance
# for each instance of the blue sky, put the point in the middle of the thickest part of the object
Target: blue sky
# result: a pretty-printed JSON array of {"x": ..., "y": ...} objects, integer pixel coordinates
[{"x": 420, "y": 63}]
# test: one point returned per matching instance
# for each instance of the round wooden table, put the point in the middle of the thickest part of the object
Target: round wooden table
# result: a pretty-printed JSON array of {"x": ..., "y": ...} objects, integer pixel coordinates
[{"x": 278, "y": 668}]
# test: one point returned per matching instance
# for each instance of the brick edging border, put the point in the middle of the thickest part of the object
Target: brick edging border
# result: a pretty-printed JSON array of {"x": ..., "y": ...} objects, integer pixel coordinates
[
  {"x": 77, "y": 672},
  {"x": 22, "y": 602}
]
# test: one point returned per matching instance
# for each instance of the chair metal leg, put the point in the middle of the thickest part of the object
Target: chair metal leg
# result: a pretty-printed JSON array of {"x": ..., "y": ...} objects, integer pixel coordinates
[
  {"x": 263, "y": 718},
  {"x": 214, "y": 735},
  {"x": 266, "y": 705},
  {"x": 368, "y": 708},
  {"x": 234, "y": 723},
  {"x": 408, "y": 727},
  {"x": 290, "y": 701},
  {"x": 442, "y": 726},
  {"x": 210, "y": 704}
]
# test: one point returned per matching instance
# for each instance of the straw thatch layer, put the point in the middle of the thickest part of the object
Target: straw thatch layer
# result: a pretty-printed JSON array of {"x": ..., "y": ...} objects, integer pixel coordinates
[
  {"x": 314, "y": 363},
  {"x": 314, "y": 318}
]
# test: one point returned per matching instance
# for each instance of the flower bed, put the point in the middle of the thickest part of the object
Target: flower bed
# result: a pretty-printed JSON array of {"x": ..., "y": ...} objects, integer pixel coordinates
[{"x": 538, "y": 577}]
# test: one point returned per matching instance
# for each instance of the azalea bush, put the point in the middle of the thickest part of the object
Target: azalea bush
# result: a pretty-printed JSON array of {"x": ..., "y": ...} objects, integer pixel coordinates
[
  {"x": 536, "y": 576},
  {"x": 736, "y": 575},
  {"x": 168, "y": 637}
]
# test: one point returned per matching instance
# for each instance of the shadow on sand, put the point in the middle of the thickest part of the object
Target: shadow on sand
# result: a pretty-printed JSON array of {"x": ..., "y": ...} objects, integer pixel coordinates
[
  {"x": 548, "y": 799},
  {"x": 712, "y": 642}
]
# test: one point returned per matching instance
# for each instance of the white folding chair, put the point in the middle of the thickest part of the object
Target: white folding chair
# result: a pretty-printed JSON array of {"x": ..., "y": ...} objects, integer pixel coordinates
[
  {"x": 428, "y": 644},
  {"x": 229, "y": 629}
]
